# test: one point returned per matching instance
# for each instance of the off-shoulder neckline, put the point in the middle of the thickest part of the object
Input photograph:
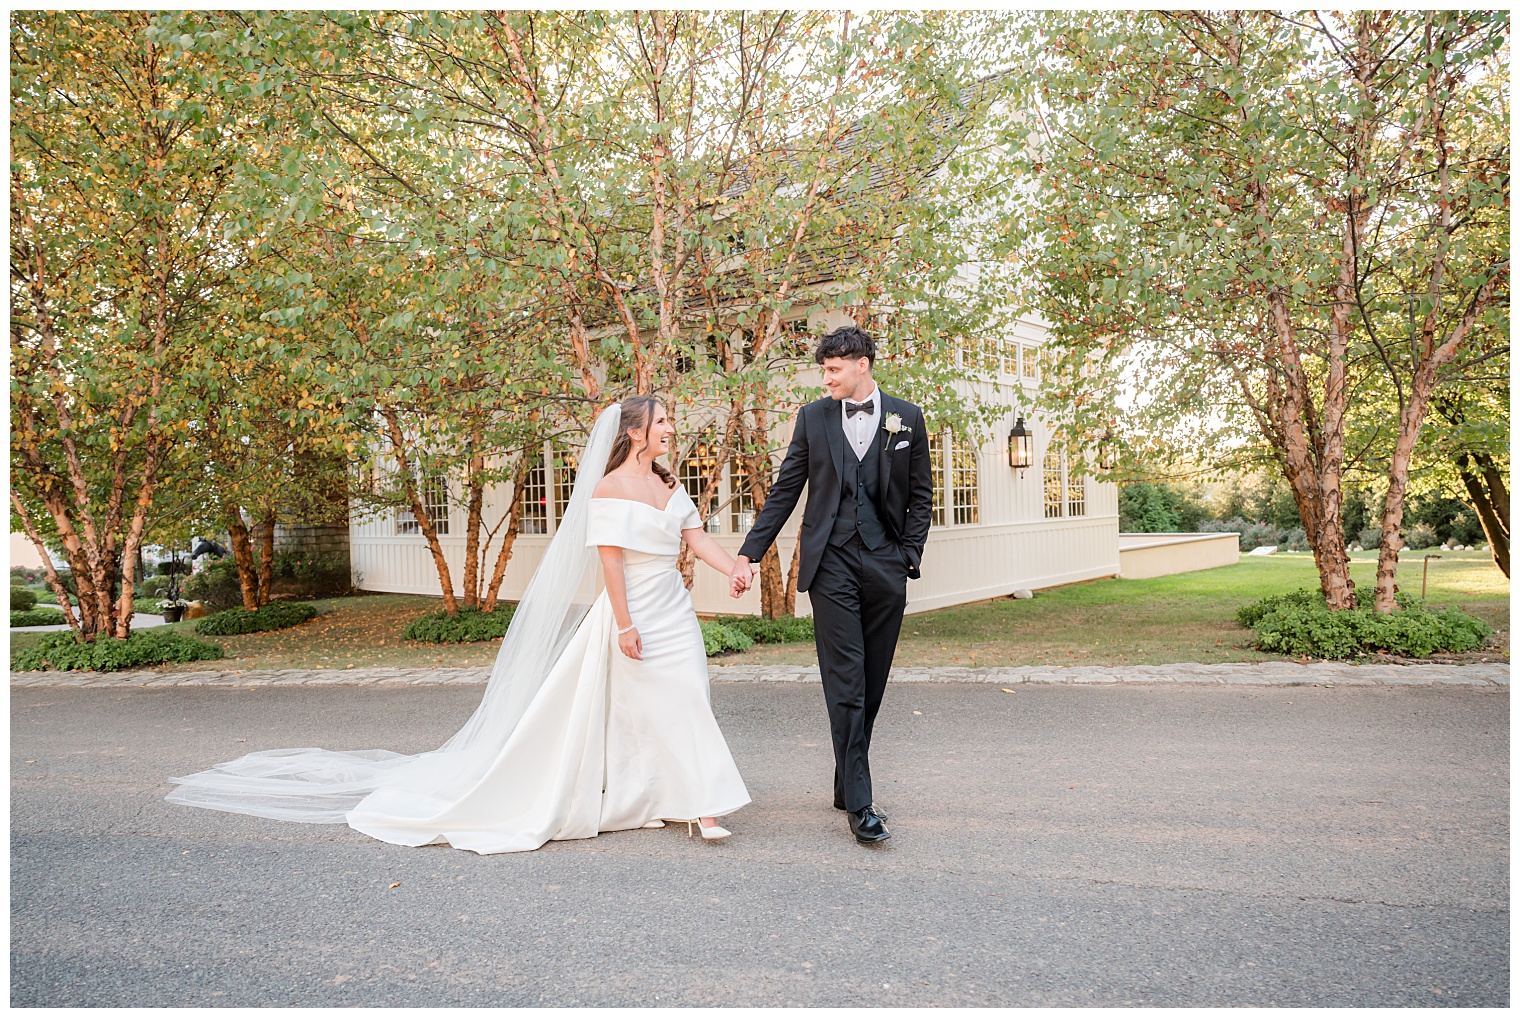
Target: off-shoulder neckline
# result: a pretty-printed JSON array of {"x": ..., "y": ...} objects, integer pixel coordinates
[{"x": 637, "y": 501}]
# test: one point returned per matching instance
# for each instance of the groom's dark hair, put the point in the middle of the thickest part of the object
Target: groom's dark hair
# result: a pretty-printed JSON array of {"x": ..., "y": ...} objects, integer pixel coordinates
[{"x": 848, "y": 342}]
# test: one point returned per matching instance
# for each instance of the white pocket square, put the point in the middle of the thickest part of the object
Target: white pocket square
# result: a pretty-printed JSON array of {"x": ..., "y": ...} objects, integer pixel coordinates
[{"x": 899, "y": 445}]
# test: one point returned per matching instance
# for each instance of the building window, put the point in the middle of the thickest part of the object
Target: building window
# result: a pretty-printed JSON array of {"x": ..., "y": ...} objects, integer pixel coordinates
[
  {"x": 937, "y": 477},
  {"x": 1065, "y": 492},
  {"x": 533, "y": 517},
  {"x": 435, "y": 502},
  {"x": 1076, "y": 492},
  {"x": 742, "y": 505},
  {"x": 979, "y": 353},
  {"x": 564, "y": 482},
  {"x": 1055, "y": 500},
  {"x": 1008, "y": 358},
  {"x": 696, "y": 467},
  {"x": 963, "y": 490},
  {"x": 1029, "y": 363}
]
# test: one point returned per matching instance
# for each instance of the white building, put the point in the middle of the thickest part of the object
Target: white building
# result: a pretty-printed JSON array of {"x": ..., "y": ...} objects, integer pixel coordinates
[{"x": 995, "y": 529}]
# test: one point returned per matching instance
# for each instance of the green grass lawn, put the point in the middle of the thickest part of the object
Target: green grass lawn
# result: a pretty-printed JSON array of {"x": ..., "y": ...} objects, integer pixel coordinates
[
  {"x": 1189, "y": 617},
  {"x": 363, "y": 631}
]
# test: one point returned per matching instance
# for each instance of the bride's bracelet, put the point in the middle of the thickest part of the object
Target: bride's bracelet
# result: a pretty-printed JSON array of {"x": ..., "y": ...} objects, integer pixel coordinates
[{"x": 622, "y": 631}]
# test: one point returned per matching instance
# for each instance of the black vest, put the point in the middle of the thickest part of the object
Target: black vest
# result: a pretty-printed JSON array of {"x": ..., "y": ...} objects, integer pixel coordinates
[{"x": 859, "y": 494}]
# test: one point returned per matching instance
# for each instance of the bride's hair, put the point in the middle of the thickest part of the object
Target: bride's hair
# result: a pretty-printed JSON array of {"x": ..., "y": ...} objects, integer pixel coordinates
[{"x": 638, "y": 412}]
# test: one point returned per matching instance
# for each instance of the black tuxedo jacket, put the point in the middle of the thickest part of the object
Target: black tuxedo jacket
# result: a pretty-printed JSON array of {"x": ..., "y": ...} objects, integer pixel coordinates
[{"x": 817, "y": 457}]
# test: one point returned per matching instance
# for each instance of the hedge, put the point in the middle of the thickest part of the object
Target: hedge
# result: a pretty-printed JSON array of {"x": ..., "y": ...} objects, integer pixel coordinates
[
  {"x": 719, "y": 638},
  {"x": 142, "y": 648},
  {"x": 1302, "y": 625},
  {"x": 23, "y": 600},
  {"x": 471, "y": 625},
  {"x": 37, "y": 617},
  {"x": 237, "y": 621},
  {"x": 216, "y": 586},
  {"x": 48, "y": 597},
  {"x": 787, "y": 629}
]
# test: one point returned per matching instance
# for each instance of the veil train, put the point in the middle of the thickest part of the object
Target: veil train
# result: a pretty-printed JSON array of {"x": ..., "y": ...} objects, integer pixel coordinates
[{"x": 321, "y": 786}]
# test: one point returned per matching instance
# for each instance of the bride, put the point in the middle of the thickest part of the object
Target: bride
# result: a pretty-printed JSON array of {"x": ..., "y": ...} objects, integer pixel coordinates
[{"x": 596, "y": 716}]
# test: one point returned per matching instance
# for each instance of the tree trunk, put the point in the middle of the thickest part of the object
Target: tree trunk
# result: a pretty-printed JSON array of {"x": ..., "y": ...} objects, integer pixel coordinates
[
  {"x": 472, "y": 549},
  {"x": 772, "y": 584},
  {"x": 79, "y": 569},
  {"x": 242, "y": 557},
  {"x": 755, "y": 440},
  {"x": 424, "y": 522},
  {"x": 509, "y": 538},
  {"x": 1430, "y": 360},
  {"x": 686, "y": 561},
  {"x": 266, "y": 559},
  {"x": 1498, "y": 494},
  {"x": 1491, "y": 504},
  {"x": 791, "y": 578},
  {"x": 54, "y": 580},
  {"x": 130, "y": 552}
]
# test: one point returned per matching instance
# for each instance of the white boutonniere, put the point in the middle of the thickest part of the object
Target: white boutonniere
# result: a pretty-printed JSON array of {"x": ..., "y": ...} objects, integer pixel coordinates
[{"x": 893, "y": 424}]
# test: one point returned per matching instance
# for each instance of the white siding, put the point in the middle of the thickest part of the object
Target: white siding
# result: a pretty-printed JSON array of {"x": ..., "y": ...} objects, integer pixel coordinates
[{"x": 1012, "y": 545}]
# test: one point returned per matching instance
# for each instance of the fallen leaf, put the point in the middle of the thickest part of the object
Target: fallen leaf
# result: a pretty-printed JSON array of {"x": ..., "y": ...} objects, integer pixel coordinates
[
  {"x": 1007, "y": 690},
  {"x": 398, "y": 883}
]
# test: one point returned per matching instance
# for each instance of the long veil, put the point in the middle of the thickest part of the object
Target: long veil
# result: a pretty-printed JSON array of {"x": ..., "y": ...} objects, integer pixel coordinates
[{"x": 321, "y": 786}]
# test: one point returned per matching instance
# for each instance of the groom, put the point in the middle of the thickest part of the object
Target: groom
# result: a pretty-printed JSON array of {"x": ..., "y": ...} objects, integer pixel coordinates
[{"x": 865, "y": 458}]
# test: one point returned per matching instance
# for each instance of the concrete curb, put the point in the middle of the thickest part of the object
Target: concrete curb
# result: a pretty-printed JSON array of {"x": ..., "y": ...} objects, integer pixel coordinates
[{"x": 1266, "y": 673}]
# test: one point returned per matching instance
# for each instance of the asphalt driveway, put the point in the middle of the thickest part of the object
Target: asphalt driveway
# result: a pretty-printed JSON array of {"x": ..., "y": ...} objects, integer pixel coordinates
[{"x": 1157, "y": 845}]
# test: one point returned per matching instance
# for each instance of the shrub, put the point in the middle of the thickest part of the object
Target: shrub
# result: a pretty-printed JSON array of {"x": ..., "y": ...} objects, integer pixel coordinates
[
  {"x": 142, "y": 648},
  {"x": 1257, "y": 535},
  {"x": 36, "y": 617},
  {"x": 471, "y": 625},
  {"x": 788, "y": 629},
  {"x": 1370, "y": 538},
  {"x": 1467, "y": 529},
  {"x": 1252, "y": 535},
  {"x": 216, "y": 586},
  {"x": 23, "y": 600},
  {"x": 25, "y": 575},
  {"x": 718, "y": 638},
  {"x": 316, "y": 574},
  {"x": 274, "y": 615},
  {"x": 1354, "y": 515},
  {"x": 1421, "y": 535},
  {"x": 1300, "y": 624},
  {"x": 48, "y": 597}
]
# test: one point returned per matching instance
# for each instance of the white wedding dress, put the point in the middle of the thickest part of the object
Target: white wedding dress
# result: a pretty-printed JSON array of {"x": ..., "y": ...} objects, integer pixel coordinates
[{"x": 572, "y": 738}]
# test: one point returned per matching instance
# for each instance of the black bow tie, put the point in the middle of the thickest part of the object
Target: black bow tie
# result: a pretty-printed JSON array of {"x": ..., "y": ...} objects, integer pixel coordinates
[{"x": 851, "y": 409}]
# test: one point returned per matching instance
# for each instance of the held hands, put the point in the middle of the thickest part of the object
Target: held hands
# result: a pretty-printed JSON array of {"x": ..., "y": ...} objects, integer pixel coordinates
[{"x": 741, "y": 577}]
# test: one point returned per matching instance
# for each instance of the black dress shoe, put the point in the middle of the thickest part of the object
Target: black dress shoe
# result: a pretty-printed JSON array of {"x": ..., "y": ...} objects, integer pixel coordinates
[
  {"x": 839, "y": 805},
  {"x": 867, "y": 827}
]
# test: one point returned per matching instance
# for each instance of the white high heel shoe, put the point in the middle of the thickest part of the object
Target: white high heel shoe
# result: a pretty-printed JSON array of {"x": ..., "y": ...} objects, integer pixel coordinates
[
  {"x": 653, "y": 825},
  {"x": 712, "y": 833}
]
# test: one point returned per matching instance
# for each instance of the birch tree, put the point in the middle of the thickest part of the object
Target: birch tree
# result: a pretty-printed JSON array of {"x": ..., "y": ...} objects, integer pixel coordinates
[{"x": 1243, "y": 208}]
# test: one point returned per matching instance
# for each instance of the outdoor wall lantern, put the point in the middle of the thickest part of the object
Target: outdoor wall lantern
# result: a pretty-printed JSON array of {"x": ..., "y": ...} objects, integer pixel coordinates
[
  {"x": 1106, "y": 456},
  {"x": 1020, "y": 447}
]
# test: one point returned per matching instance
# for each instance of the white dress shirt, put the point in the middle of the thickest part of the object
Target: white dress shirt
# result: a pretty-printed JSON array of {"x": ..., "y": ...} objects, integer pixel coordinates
[{"x": 860, "y": 429}]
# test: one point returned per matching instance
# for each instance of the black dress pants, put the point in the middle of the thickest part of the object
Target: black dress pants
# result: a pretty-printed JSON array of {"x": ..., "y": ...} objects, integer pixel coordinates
[{"x": 858, "y": 596}]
